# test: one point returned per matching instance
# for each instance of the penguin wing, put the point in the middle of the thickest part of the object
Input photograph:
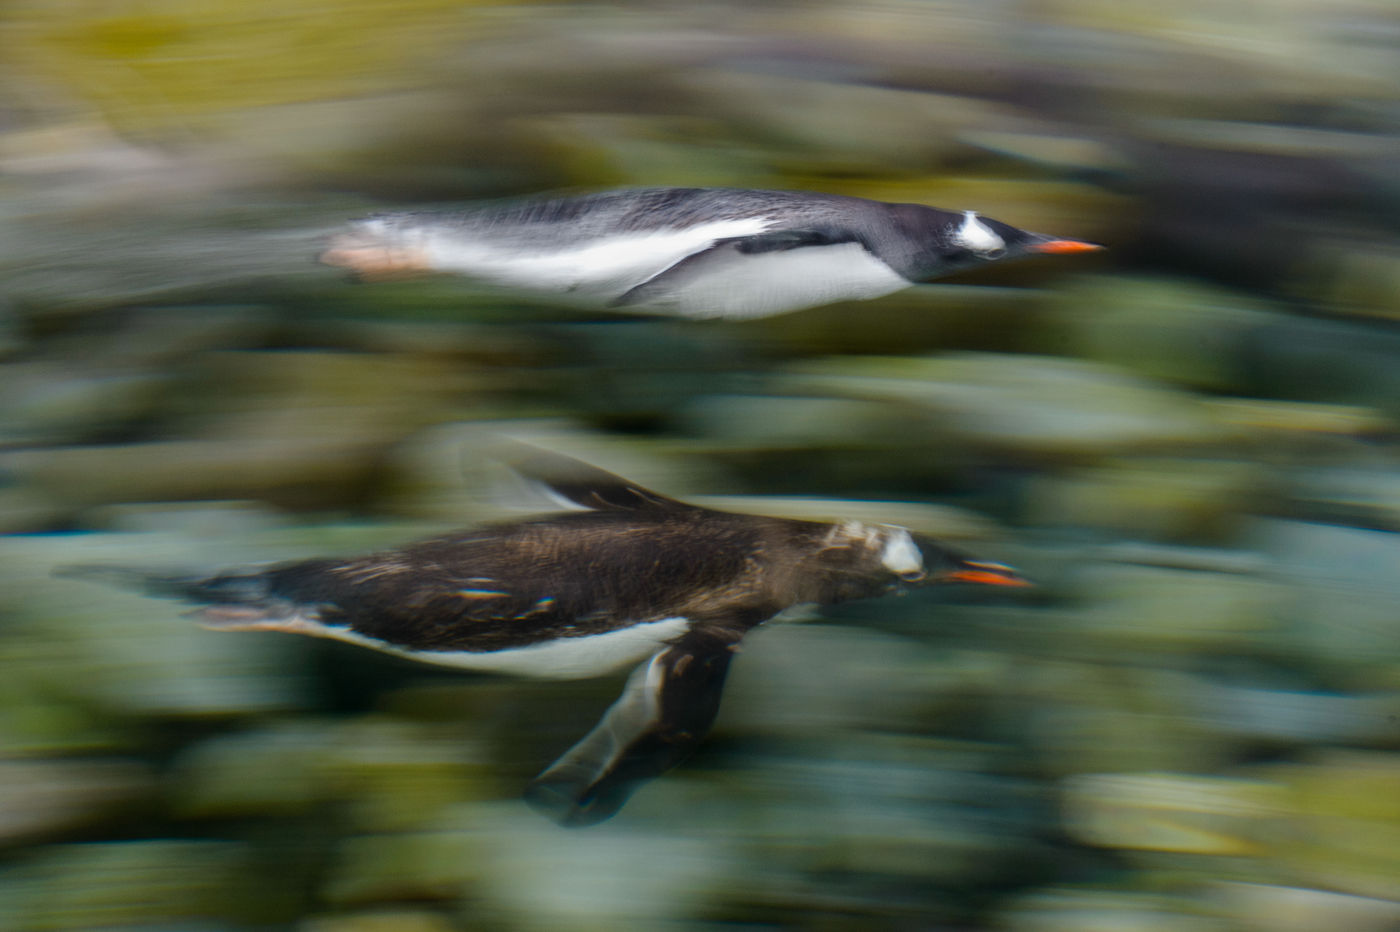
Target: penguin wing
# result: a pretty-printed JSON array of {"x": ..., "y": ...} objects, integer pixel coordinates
[
  {"x": 663, "y": 714},
  {"x": 580, "y": 485}
]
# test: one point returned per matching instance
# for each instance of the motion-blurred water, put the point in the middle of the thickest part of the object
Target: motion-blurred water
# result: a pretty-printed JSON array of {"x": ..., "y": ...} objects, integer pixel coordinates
[{"x": 1189, "y": 441}]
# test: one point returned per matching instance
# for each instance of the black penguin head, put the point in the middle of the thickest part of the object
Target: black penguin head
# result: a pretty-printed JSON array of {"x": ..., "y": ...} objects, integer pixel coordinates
[
  {"x": 953, "y": 241},
  {"x": 863, "y": 560},
  {"x": 854, "y": 560},
  {"x": 944, "y": 565}
]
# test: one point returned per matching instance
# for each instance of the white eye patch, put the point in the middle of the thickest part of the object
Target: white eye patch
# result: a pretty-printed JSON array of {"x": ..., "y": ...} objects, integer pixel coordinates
[
  {"x": 977, "y": 236},
  {"x": 901, "y": 555}
]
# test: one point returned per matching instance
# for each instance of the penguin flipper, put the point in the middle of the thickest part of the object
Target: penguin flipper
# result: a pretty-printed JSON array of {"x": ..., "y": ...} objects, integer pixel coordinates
[
  {"x": 576, "y": 484},
  {"x": 663, "y": 714}
]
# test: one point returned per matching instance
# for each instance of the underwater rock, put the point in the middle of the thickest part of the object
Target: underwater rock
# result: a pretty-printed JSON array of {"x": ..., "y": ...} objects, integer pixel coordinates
[
  {"x": 1162, "y": 498},
  {"x": 42, "y": 798},
  {"x": 1174, "y": 812},
  {"x": 1020, "y": 405},
  {"x": 151, "y": 883},
  {"x": 1262, "y": 907},
  {"x": 1069, "y": 909},
  {"x": 1344, "y": 821}
]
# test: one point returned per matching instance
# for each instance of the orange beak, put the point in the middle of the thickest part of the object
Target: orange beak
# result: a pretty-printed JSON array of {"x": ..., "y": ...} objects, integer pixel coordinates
[
  {"x": 987, "y": 574},
  {"x": 1060, "y": 247}
]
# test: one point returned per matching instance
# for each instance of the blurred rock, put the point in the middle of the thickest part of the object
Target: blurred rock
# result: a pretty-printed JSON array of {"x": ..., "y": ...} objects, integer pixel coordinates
[
  {"x": 1293, "y": 425},
  {"x": 535, "y": 877},
  {"x": 40, "y": 720},
  {"x": 42, "y": 798},
  {"x": 781, "y": 685},
  {"x": 206, "y": 520},
  {"x": 284, "y": 768},
  {"x": 1069, "y": 909},
  {"x": 653, "y": 149},
  {"x": 12, "y": 340},
  {"x": 1258, "y": 907},
  {"x": 1183, "y": 557},
  {"x": 1175, "y": 330},
  {"x": 1352, "y": 277},
  {"x": 1360, "y": 495},
  {"x": 1051, "y": 147},
  {"x": 424, "y": 865},
  {"x": 1026, "y": 405},
  {"x": 1092, "y": 717},
  {"x": 628, "y": 373},
  {"x": 297, "y": 428},
  {"x": 47, "y": 405},
  {"x": 836, "y": 126},
  {"x": 1297, "y": 716},
  {"x": 944, "y": 522},
  {"x": 171, "y": 335},
  {"x": 1344, "y": 815},
  {"x": 522, "y": 872},
  {"x": 399, "y": 920},
  {"x": 1332, "y": 361},
  {"x": 1180, "y": 499},
  {"x": 892, "y": 807},
  {"x": 24, "y": 510},
  {"x": 402, "y": 776},
  {"x": 417, "y": 328},
  {"x": 1321, "y": 552},
  {"x": 125, "y": 654},
  {"x": 1174, "y": 812},
  {"x": 292, "y": 467},
  {"x": 927, "y": 318},
  {"x": 133, "y": 884},
  {"x": 1342, "y": 615},
  {"x": 258, "y": 392},
  {"x": 1141, "y": 607},
  {"x": 1268, "y": 138},
  {"x": 798, "y": 424}
]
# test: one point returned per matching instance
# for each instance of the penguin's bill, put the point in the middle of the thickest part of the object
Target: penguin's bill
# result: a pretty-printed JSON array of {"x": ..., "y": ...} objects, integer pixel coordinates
[
  {"x": 1061, "y": 247},
  {"x": 986, "y": 574}
]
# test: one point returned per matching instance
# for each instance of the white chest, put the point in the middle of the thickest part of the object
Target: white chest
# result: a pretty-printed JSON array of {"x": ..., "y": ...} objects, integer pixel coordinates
[{"x": 562, "y": 658}]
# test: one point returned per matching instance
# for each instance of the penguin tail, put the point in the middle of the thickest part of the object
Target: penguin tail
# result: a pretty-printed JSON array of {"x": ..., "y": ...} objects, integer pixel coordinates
[{"x": 228, "y": 601}]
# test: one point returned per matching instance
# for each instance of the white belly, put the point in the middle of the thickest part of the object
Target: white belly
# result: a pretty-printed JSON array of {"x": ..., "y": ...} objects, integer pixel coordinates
[
  {"x": 762, "y": 284},
  {"x": 561, "y": 658}
]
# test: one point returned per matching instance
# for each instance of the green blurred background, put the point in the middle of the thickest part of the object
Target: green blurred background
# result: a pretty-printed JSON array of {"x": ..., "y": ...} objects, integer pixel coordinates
[{"x": 1192, "y": 725}]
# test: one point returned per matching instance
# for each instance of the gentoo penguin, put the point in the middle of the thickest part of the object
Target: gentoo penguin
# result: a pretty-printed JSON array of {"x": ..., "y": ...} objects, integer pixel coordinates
[
  {"x": 691, "y": 252},
  {"x": 630, "y": 578}
]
